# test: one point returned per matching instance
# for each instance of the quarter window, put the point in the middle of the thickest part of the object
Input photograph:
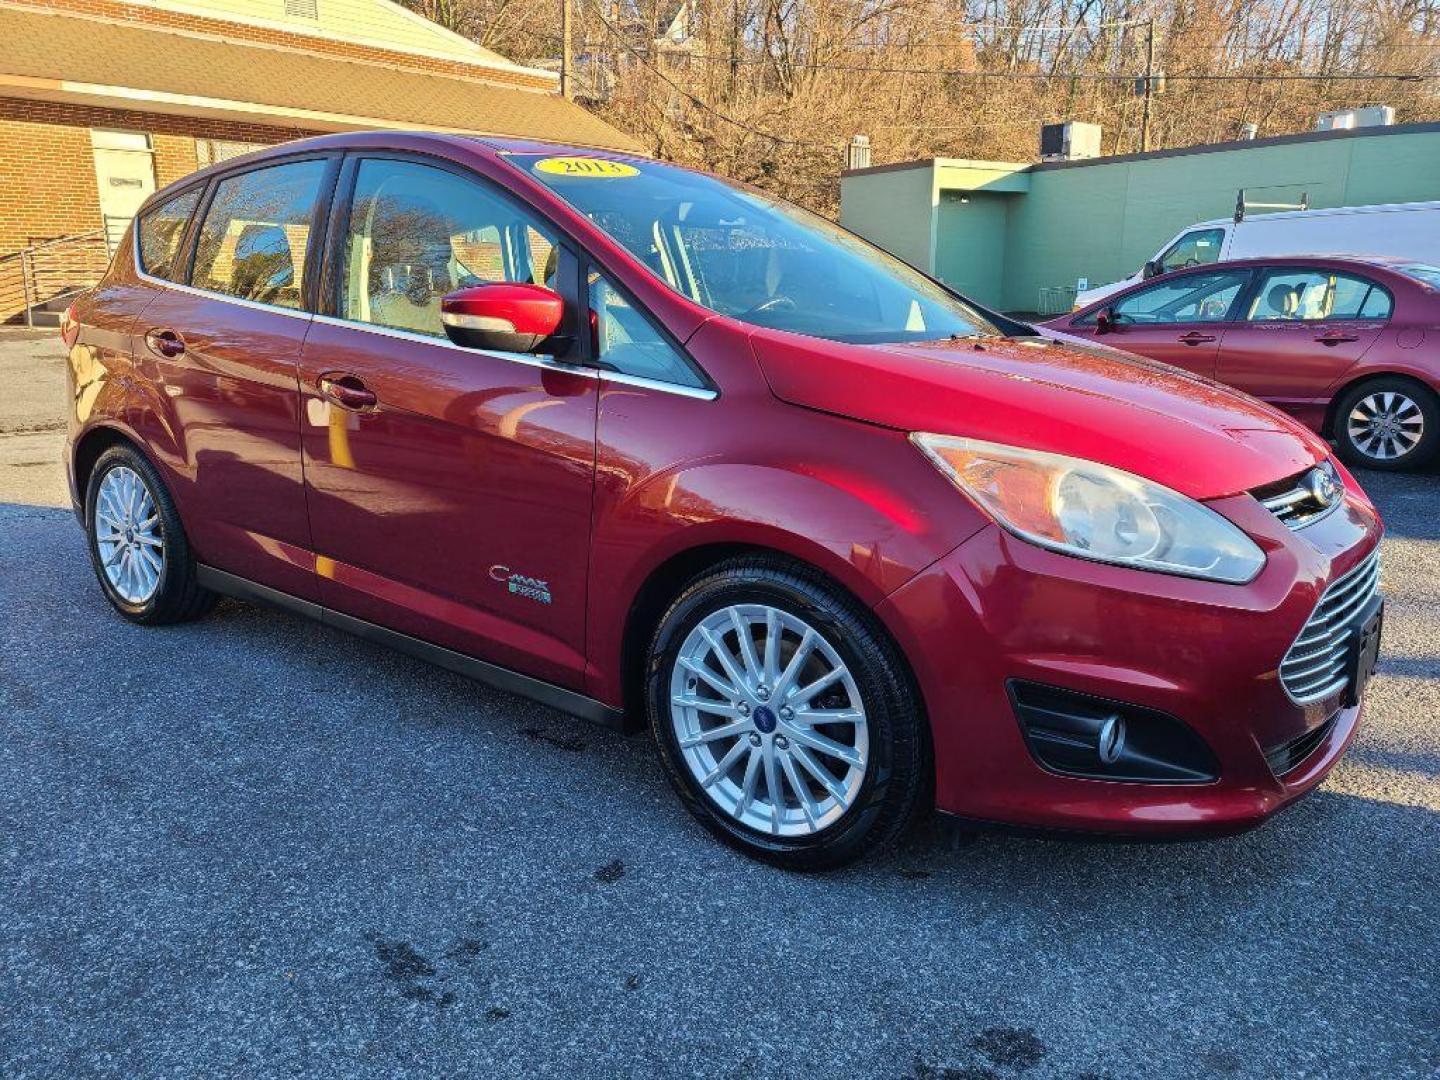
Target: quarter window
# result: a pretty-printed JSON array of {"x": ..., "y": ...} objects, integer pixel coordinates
[
  {"x": 1317, "y": 296},
  {"x": 162, "y": 231},
  {"x": 1199, "y": 248},
  {"x": 256, "y": 234},
  {"x": 628, "y": 342},
  {"x": 417, "y": 233}
]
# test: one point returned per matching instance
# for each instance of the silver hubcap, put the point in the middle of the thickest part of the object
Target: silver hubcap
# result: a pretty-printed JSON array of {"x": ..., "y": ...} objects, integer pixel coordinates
[
  {"x": 127, "y": 535},
  {"x": 769, "y": 720},
  {"x": 1386, "y": 425}
]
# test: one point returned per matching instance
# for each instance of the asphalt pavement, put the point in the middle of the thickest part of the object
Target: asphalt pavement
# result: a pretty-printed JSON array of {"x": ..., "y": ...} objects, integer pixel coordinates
[{"x": 253, "y": 846}]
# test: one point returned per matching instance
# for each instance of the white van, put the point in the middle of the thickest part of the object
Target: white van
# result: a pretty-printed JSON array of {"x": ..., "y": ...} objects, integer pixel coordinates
[{"x": 1399, "y": 230}]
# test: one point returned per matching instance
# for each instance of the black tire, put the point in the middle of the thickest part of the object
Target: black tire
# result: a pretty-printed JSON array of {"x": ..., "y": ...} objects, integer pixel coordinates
[
  {"x": 896, "y": 781},
  {"x": 178, "y": 596},
  {"x": 1353, "y": 452}
]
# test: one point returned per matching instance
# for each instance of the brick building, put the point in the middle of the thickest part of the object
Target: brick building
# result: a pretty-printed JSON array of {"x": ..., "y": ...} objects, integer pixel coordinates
[{"x": 101, "y": 101}]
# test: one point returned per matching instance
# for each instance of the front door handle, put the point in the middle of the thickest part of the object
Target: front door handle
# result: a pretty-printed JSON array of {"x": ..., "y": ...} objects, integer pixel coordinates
[
  {"x": 1195, "y": 337},
  {"x": 165, "y": 342},
  {"x": 1336, "y": 337},
  {"x": 347, "y": 391}
]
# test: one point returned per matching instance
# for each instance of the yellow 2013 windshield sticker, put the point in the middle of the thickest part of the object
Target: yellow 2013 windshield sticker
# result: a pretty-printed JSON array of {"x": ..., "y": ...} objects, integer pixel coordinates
[{"x": 586, "y": 166}]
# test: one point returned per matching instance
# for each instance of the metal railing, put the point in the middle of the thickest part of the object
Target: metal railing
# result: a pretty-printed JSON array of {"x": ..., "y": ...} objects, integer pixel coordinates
[{"x": 55, "y": 268}]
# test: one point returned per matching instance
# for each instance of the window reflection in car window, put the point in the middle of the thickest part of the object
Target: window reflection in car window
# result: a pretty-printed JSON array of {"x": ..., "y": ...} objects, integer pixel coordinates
[
  {"x": 417, "y": 233},
  {"x": 627, "y": 341},
  {"x": 256, "y": 234},
  {"x": 161, "y": 232}
]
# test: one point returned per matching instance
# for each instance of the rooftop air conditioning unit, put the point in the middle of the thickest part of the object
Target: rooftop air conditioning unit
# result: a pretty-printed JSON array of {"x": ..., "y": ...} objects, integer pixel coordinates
[
  {"x": 1345, "y": 119},
  {"x": 1070, "y": 141}
]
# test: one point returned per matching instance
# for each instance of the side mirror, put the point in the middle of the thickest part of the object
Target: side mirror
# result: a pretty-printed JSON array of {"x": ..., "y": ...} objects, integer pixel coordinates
[
  {"x": 1105, "y": 322},
  {"x": 504, "y": 316},
  {"x": 1153, "y": 268}
]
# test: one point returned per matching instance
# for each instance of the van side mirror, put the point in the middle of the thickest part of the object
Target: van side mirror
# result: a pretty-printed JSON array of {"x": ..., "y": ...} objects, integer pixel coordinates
[
  {"x": 1105, "y": 322},
  {"x": 505, "y": 316},
  {"x": 1153, "y": 268}
]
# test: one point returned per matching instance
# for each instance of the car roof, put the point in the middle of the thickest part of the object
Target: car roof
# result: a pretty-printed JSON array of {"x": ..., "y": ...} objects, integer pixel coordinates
[
  {"x": 1384, "y": 262},
  {"x": 386, "y": 140}
]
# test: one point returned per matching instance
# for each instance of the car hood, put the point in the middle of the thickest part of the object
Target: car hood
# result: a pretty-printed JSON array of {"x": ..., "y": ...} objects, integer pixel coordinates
[{"x": 1188, "y": 433}]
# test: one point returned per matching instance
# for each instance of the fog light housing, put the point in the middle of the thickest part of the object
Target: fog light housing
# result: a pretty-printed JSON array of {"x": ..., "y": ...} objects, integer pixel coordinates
[{"x": 1075, "y": 734}]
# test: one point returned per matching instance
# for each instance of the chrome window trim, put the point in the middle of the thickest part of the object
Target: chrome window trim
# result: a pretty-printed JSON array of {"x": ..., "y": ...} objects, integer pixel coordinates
[
  {"x": 699, "y": 393},
  {"x": 529, "y": 359}
]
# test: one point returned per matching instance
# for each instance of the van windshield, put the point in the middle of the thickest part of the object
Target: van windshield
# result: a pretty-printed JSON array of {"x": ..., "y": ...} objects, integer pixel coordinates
[{"x": 748, "y": 255}]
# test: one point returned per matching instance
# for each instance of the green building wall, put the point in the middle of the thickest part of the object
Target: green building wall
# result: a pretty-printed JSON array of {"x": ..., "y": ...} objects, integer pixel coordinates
[{"x": 1004, "y": 232}]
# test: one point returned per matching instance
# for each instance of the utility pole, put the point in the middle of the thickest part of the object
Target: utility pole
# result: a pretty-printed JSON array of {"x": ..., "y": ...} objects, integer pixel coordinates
[
  {"x": 567, "y": 62},
  {"x": 1149, "y": 83}
]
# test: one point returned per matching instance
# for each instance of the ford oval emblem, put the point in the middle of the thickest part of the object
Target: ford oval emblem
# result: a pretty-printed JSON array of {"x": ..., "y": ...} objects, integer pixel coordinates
[{"x": 1324, "y": 487}]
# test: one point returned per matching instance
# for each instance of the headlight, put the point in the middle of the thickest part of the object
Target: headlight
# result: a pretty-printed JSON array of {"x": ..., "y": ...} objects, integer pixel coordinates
[{"x": 1090, "y": 510}]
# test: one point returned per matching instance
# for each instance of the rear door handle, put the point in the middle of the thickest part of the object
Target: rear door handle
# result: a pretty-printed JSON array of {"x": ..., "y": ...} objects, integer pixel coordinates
[
  {"x": 1196, "y": 338},
  {"x": 346, "y": 390},
  {"x": 165, "y": 342},
  {"x": 1336, "y": 337}
]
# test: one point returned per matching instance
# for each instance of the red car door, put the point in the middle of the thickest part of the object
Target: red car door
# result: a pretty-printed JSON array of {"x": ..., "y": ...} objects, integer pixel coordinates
[
  {"x": 1177, "y": 319},
  {"x": 228, "y": 346},
  {"x": 1301, "y": 330},
  {"x": 449, "y": 488}
]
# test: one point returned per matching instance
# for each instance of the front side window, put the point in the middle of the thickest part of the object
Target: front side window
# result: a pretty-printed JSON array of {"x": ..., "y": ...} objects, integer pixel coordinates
[
  {"x": 1199, "y": 248},
  {"x": 417, "y": 233},
  {"x": 753, "y": 257},
  {"x": 1205, "y": 297},
  {"x": 162, "y": 231},
  {"x": 1315, "y": 296},
  {"x": 627, "y": 341},
  {"x": 256, "y": 233}
]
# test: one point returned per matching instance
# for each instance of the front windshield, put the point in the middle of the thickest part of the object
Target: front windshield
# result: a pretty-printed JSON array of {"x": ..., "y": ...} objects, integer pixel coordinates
[{"x": 745, "y": 254}]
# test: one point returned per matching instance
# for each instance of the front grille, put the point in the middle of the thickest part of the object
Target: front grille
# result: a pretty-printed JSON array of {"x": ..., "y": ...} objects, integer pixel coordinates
[
  {"x": 1289, "y": 755},
  {"x": 1314, "y": 667},
  {"x": 1305, "y": 499}
]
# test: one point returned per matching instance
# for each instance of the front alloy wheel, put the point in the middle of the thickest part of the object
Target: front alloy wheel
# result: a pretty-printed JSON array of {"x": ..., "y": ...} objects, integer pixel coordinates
[
  {"x": 769, "y": 720},
  {"x": 784, "y": 715}
]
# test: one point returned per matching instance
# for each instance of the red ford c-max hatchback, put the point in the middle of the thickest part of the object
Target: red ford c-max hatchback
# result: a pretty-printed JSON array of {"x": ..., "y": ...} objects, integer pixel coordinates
[{"x": 639, "y": 442}]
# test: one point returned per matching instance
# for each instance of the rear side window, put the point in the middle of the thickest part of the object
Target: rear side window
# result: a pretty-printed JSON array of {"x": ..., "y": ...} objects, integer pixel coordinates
[
  {"x": 1317, "y": 296},
  {"x": 256, "y": 233},
  {"x": 162, "y": 230}
]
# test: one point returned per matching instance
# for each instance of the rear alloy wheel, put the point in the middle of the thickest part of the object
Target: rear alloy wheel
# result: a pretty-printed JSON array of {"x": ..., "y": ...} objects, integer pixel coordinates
[
  {"x": 137, "y": 544},
  {"x": 1388, "y": 424},
  {"x": 782, "y": 717}
]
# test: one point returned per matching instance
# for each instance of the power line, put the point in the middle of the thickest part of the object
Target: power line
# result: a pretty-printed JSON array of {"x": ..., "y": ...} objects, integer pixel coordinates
[{"x": 1065, "y": 75}]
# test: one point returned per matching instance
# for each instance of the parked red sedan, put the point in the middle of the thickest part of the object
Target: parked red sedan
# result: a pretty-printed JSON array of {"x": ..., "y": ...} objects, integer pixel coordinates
[
  {"x": 1349, "y": 346},
  {"x": 640, "y": 442}
]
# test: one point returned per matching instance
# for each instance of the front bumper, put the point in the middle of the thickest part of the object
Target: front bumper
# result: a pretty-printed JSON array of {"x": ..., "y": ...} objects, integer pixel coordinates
[{"x": 997, "y": 609}]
